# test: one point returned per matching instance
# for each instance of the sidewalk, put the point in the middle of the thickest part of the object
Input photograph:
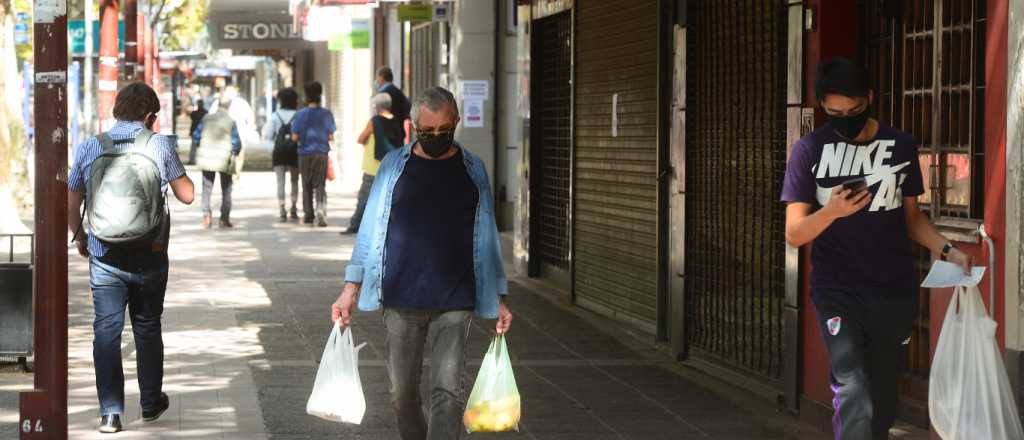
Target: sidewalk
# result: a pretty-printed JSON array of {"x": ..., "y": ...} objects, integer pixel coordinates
[{"x": 247, "y": 317}]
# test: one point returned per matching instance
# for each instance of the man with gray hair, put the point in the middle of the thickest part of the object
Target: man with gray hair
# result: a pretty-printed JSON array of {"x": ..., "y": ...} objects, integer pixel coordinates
[
  {"x": 431, "y": 212},
  {"x": 382, "y": 134}
]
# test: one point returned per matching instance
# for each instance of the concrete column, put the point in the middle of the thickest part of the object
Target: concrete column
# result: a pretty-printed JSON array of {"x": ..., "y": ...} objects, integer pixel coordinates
[
  {"x": 472, "y": 49},
  {"x": 510, "y": 125},
  {"x": 1015, "y": 198}
]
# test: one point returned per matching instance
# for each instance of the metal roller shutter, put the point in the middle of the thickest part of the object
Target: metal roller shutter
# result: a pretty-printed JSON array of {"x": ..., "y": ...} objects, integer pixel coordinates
[
  {"x": 735, "y": 162},
  {"x": 552, "y": 133},
  {"x": 616, "y": 265},
  {"x": 423, "y": 41}
]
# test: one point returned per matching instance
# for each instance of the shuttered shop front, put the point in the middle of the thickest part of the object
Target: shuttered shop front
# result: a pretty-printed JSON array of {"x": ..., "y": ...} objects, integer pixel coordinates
[{"x": 616, "y": 270}]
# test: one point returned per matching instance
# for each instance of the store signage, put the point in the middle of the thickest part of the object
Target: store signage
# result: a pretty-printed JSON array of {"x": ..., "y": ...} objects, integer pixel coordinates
[
  {"x": 257, "y": 31},
  {"x": 76, "y": 31},
  {"x": 416, "y": 13}
]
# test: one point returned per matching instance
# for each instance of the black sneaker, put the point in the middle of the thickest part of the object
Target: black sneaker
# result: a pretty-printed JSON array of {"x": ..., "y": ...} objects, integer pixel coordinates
[
  {"x": 349, "y": 231},
  {"x": 110, "y": 424},
  {"x": 294, "y": 214},
  {"x": 161, "y": 407}
]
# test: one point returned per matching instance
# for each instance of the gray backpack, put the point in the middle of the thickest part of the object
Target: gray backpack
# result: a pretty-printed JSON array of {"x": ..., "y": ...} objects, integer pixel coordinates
[{"x": 124, "y": 200}]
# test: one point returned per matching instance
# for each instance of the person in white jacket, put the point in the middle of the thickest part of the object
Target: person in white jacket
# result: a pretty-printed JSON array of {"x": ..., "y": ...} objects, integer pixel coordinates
[{"x": 285, "y": 157}]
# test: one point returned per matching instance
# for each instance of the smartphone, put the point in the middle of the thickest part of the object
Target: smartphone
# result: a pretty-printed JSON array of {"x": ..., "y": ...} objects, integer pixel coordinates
[{"x": 855, "y": 186}]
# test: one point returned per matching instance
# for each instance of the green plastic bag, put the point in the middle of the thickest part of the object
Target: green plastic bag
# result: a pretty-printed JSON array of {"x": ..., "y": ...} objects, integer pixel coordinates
[{"x": 494, "y": 403}]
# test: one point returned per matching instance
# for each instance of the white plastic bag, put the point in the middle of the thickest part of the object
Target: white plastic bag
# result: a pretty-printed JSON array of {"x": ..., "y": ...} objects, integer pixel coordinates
[
  {"x": 969, "y": 393},
  {"x": 338, "y": 393}
]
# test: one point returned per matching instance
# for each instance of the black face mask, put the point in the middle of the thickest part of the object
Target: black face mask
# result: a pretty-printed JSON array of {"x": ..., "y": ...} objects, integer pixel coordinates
[
  {"x": 849, "y": 127},
  {"x": 437, "y": 145}
]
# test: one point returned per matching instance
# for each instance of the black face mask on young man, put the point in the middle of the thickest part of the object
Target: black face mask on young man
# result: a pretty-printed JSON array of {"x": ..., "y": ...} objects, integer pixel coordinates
[
  {"x": 849, "y": 127},
  {"x": 437, "y": 145}
]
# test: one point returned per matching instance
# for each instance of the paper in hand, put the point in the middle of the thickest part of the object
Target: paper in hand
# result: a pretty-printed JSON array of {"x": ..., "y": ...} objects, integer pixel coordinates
[{"x": 946, "y": 274}]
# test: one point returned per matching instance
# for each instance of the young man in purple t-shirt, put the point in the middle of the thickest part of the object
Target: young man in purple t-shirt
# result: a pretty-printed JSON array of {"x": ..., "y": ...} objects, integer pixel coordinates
[{"x": 851, "y": 187}]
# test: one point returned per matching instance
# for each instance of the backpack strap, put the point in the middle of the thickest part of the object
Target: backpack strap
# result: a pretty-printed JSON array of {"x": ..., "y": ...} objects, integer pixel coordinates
[
  {"x": 142, "y": 139},
  {"x": 106, "y": 143}
]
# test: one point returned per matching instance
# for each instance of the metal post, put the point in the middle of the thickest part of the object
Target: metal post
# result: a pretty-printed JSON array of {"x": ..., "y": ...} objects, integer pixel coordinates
[
  {"x": 108, "y": 62},
  {"x": 44, "y": 410},
  {"x": 131, "y": 38}
]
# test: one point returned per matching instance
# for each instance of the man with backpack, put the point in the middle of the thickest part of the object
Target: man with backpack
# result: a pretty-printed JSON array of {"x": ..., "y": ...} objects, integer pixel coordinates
[
  {"x": 219, "y": 147},
  {"x": 285, "y": 156},
  {"x": 122, "y": 176}
]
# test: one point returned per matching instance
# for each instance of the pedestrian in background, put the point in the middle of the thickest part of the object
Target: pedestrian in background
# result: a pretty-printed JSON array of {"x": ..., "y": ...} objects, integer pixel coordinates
[
  {"x": 400, "y": 105},
  {"x": 313, "y": 128},
  {"x": 431, "y": 214},
  {"x": 196, "y": 116},
  {"x": 285, "y": 156},
  {"x": 131, "y": 273},
  {"x": 219, "y": 145},
  {"x": 382, "y": 134}
]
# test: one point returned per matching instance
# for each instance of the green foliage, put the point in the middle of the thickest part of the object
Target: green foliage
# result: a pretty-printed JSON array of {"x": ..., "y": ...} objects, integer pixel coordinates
[{"x": 186, "y": 24}]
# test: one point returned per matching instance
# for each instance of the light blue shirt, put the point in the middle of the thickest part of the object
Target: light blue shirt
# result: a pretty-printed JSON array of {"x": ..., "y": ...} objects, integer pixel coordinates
[{"x": 367, "y": 264}]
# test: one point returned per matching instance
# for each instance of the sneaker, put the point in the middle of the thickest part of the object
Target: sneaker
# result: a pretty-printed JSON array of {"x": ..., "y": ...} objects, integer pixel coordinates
[
  {"x": 349, "y": 231},
  {"x": 207, "y": 221},
  {"x": 161, "y": 407},
  {"x": 322, "y": 223},
  {"x": 225, "y": 223},
  {"x": 110, "y": 424},
  {"x": 308, "y": 221},
  {"x": 284, "y": 215},
  {"x": 294, "y": 213}
]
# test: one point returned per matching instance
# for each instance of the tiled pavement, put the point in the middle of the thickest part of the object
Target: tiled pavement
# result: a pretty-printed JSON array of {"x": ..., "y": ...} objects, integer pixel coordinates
[{"x": 247, "y": 317}]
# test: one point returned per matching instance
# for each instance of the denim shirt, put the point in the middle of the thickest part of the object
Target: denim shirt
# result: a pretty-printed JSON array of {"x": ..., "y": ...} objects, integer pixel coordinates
[{"x": 367, "y": 264}]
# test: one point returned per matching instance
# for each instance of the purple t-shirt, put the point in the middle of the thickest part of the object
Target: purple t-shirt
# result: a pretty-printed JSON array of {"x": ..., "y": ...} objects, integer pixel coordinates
[{"x": 870, "y": 248}]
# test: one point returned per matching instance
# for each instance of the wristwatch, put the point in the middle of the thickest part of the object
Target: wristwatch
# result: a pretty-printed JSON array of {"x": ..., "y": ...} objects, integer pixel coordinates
[{"x": 946, "y": 250}]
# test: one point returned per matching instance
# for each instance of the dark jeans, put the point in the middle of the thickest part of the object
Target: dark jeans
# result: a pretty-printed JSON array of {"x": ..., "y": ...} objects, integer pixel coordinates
[
  {"x": 137, "y": 281},
  {"x": 407, "y": 333},
  {"x": 865, "y": 341},
  {"x": 313, "y": 172},
  {"x": 226, "y": 182},
  {"x": 364, "y": 195}
]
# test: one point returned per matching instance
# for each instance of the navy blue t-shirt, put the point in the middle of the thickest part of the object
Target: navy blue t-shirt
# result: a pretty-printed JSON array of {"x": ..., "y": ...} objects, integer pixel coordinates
[
  {"x": 870, "y": 248},
  {"x": 428, "y": 254}
]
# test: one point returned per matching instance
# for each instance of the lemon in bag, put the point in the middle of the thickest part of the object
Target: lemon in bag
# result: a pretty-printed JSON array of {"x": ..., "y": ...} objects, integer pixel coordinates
[{"x": 494, "y": 404}]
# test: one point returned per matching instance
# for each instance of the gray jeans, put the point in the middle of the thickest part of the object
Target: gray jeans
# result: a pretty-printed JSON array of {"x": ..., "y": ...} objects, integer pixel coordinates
[
  {"x": 225, "y": 192},
  {"x": 280, "y": 170},
  {"x": 364, "y": 196},
  {"x": 407, "y": 333}
]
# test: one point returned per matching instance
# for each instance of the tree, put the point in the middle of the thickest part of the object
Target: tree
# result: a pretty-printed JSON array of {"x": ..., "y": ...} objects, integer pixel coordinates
[
  {"x": 186, "y": 24},
  {"x": 12, "y": 139}
]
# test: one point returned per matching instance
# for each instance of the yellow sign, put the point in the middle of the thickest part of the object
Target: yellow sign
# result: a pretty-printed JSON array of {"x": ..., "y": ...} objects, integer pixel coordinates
[{"x": 416, "y": 13}]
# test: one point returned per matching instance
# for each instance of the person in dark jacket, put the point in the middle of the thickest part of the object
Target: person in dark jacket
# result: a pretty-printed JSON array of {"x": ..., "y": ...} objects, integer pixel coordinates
[
  {"x": 197, "y": 116},
  {"x": 400, "y": 105}
]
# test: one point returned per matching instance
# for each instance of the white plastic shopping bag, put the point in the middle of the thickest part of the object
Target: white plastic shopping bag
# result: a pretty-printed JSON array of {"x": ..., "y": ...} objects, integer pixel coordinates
[
  {"x": 969, "y": 393},
  {"x": 338, "y": 393}
]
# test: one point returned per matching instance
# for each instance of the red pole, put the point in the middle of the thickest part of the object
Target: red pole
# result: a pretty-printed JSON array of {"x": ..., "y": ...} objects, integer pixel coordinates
[
  {"x": 44, "y": 410},
  {"x": 131, "y": 39},
  {"x": 147, "y": 50},
  {"x": 141, "y": 73},
  {"x": 108, "y": 62}
]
